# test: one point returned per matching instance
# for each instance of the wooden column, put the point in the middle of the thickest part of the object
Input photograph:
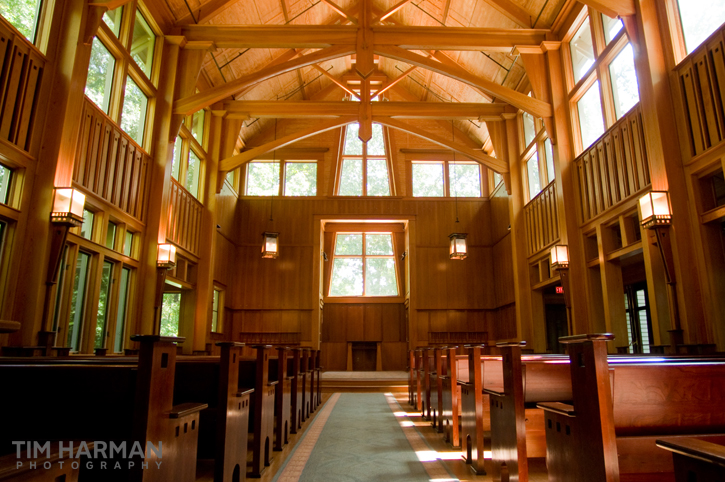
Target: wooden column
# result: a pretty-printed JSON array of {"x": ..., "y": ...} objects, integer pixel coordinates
[
  {"x": 612, "y": 289},
  {"x": 66, "y": 74},
  {"x": 566, "y": 188},
  {"x": 666, "y": 168}
]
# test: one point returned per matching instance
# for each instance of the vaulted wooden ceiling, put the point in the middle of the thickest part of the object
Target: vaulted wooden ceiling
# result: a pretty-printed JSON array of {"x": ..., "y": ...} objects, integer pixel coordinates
[{"x": 233, "y": 56}]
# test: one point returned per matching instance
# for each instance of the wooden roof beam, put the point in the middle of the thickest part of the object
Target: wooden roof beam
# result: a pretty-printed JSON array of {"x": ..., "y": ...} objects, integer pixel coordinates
[
  {"x": 340, "y": 11},
  {"x": 411, "y": 110},
  {"x": 233, "y": 162},
  {"x": 478, "y": 156},
  {"x": 392, "y": 83},
  {"x": 191, "y": 104},
  {"x": 205, "y": 12},
  {"x": 534, "y": 107},
  {"x": 335, "y": 81},
  {"x": 612, "y": 8},
  {"x": 321, "y": 36},
  {"x": 391, "y": 11},
  {"x": 512, "y": 11}
]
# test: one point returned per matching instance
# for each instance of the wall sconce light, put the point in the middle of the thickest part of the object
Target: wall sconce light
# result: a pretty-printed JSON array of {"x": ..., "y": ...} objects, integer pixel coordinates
[
  {"x": 560, "y": 263},
  {"x": 559, "y": 257},
  {"x": 324, "y": 256},
  {"x": 402, "y": 256},
  {"x": 656, "y": 215},
  {"x": 458, "y": 249},
  {"x": 655, "y": 209},
  {"x": 270, "y": 245},
  {"x": 166, "y": 256},
  {"x": 68, "y": 204}
]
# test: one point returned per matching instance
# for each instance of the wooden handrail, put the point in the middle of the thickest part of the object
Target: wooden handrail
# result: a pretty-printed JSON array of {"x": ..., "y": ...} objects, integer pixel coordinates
[
  {"x": 542, "y": 220},
  {"x": 184, "y": 221}
]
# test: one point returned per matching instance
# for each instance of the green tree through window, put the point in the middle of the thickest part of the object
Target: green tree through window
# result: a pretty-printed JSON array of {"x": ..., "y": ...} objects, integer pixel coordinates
[
  {"x": 364, "y": 265},
  {"x": 23, "y": 15},
  {"x": 364, "y": 169}
]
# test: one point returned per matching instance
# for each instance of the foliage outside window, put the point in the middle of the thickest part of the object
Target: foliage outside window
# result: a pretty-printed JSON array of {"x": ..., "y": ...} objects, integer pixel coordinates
[
  {"x": 6, "y": 177},
  {"x": 192, "y": 174},
  {"x": 529, "y": 128},
  {"x": 126, "y": 58},
  {"x": 23, "y": 15},
  {"x": 217, "y": 311},
  {"x": 100, "y": 75},
  {"x": 170, "y": 314},
  {"x": 594, "y": 73},
  {"x": 111, "y": 235},
  {"x": 128, "y": 244},
  {"x": 78, "y": 301},
  {"x": 363, "y": 265},
  {"x": 538, "y": 159},
  {"x": 104, "y": 302},
  {"x": 197, "y": 125},
  {"x": 120, "y": 332},
  {"x": 133, "y": 115},
  {"x": 186, "y": 162},
  {"x": 699, "y": 19},
  {"x": 276, "y": 178},
  {"x": 364, "y": 169},
  {"x": 532, "y": 170},
  {"x": 86, "y": 230},
  {"x": 446, "y": 178}
]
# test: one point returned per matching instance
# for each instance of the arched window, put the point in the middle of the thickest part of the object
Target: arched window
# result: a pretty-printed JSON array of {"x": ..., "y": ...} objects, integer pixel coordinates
[{"x": 364, "y": 166}]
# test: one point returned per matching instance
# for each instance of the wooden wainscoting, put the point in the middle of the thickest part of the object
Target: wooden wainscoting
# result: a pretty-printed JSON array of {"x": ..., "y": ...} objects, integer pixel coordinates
[
  {"x": 109, "y": 164},
  {"x": 184, "y": 224},
  {"x": 21, "y": 73},
  {"x": 542, "y": 220},
  {"x": 700, "y": 80},
  {"x": 613, "y": 168}
]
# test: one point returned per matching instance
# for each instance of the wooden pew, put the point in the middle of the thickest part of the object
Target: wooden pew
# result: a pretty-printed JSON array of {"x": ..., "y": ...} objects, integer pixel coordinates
[
  {"x": 313, "y": 380},
  {"x": 282, "y": 397},
  {"x": 411, "y": 377},
  {"x": 318, "y": 379},
  {"x": 456, "y": 369},
  {"x": 419, "y": 386},
  {"x": 255, "y": 372},
  {"x": 609, "y": 431},
  {"x": 475, "y": 411},
  {"x": 695, "y": 460},
  {"x": 306, "y": 381},
  {"x": 130, "y": 403},
  {"x": 297, "y": 390},
  {"x": 428, "y": 365},
  {"x": 436, "y": 387}
]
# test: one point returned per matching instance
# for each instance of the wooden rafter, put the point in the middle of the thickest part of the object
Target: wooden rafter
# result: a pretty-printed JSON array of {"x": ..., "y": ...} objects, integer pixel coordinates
[
  {"x": 340, "y": 11},
  {"x": 394, "y": 82},
  {"x": 512, "y": 11},
  {"x": 191, "y": 104},
  {"x": 233, "y": 162},
  {"x": 478, "y": 156},
  {"x": 391, "y": 11},
  {"x": 321, "y": 36},
  {"x": 335, "y": 81},
  {"x": 535, "y": 107},
  {"x": 205, "y": 12},
  {"x": 409, "y": 110},
  {"x": 612, "y": 8}
]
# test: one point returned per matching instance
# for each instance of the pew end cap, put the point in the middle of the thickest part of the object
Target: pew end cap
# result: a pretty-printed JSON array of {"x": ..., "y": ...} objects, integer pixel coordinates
[
  {"x": 694, "y": 448},
  {"x": 185, "y": 409},
  {"x": 558, "y": 407},
  {"x": 586, "y": 337}
]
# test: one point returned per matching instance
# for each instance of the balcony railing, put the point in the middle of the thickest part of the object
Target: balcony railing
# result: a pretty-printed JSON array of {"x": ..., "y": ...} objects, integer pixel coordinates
[
  {"x": 542, "y": 220},
  {"x": 184, "y": 225},
  {"x": 614, "y": 168},
  {"x": 701, "y": 90},
  {"x": 21, "y": 73},
  {"x": 109, "y": 164}
]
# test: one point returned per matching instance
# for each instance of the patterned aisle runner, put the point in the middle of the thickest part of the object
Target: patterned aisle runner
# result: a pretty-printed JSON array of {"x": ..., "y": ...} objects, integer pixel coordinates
[{"x": 362, "y": 437}]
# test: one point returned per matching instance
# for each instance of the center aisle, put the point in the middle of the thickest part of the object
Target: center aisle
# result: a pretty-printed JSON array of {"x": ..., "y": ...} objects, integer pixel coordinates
[{"x": 357, "y": 437}]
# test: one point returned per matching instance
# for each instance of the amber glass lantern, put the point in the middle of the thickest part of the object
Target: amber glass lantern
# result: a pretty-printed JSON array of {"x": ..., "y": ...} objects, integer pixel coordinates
[
  {"x": 559, "y": 257},
  {"x": 68, "y": 204},
  {"x": 166, "y": 256},
  {"x": 270, "y": 245},
  {"x": 655, "y": 209},
  {"x": 458, "y": 249}
]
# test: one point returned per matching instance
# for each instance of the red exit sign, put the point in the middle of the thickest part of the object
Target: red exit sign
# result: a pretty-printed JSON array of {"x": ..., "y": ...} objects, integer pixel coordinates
[{"x": 559, "y": 290}]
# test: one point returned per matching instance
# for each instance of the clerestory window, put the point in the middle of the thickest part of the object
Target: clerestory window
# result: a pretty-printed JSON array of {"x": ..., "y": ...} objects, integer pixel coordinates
[{"x": 364, "y": 169}]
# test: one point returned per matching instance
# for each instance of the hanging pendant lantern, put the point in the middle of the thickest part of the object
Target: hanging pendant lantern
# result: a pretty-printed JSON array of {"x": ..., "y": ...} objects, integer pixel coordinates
[
  {"x": 458, "y": 250},
  {"x": 270, "y": 245}
]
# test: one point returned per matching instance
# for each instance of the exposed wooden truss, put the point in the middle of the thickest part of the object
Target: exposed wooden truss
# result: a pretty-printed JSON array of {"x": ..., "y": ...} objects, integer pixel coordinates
[
  {"x": 409, "y": 110},
  {"x": 612, "y": 8},
  {"x": 512, "y": 11}
]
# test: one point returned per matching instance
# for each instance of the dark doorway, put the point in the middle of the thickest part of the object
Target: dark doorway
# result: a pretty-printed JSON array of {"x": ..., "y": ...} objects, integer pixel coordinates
[
  {"x": 639, "y": 325},
  {"x": 556, "y": 321},
  {"x": 364, "y": 356}
]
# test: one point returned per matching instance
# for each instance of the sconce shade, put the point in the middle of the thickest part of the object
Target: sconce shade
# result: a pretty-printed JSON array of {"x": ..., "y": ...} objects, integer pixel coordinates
[
  {"x": 68, "y": 204},
  {"x": 458, "y": 249},
  {"x": 560, "y": 256},
  {"x": 270, "y": 245},
  {"x": 655, "y": 209},
  {"x": 166, "y": 256}
]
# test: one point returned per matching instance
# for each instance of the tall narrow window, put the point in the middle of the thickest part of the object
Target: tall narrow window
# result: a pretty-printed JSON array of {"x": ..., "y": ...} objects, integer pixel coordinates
[
  {"x": 197, "y": 125},
  {"x": 87, "y": 226},
  {"x": 23, "y": 15},
  {"x": 591, "y": 122},
  {"x": 582, "y": 50},
  {"x": 529, "y": 128},
  {"x": 532, "y": 170},
  {"x": 120, "y": 334},
  {"x": 104, "y": 302},
  {"x": 111, "y": 235},
  {"x": 176, "y": 158},
  {"x": 624, "y": 81},
  {"x": 133, "y": 115},
  {"x": 6, "y": 176},
  {"x": 700, "y": 18},
  {"x": 142, "y": 46},
  {"x": 78, "y": 302},
  {"x": 549, "y": 152},
  {"x": 128, "y": 244},
  {"x": 100, "y": 75},
  {"x": 364, "y": 169},
  {"x": 363, "y": 265},
  {"x": 216, "y": 312},
  {"x": 170, "y": 314},
  {"x": 192, "y": 174}
]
